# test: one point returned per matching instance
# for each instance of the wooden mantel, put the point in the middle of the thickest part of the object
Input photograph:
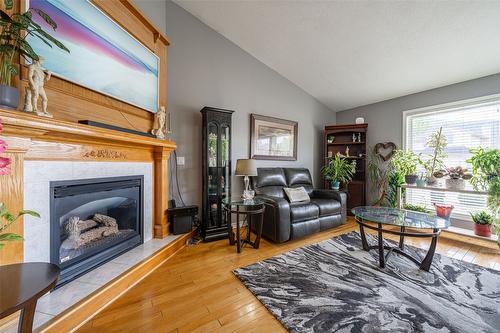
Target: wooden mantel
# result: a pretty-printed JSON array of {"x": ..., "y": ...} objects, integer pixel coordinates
[{"x": 30, "y": 137}]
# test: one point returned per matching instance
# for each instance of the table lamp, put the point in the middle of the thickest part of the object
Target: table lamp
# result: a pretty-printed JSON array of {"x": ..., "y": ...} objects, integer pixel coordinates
[{"x": 246, "y": 168}]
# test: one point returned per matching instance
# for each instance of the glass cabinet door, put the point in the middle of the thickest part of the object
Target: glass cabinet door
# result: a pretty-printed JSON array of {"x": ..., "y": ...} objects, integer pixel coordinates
[{"x": 213, "y": 175}]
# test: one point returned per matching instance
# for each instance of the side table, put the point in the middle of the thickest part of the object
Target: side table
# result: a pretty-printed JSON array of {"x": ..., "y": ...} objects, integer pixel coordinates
[
  {"x": 253, "y": 210},
  {"x": 21, "y": 285}
]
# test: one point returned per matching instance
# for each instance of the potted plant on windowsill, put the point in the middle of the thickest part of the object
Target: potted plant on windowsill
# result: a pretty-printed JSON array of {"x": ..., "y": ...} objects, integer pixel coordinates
[
  {"x": 14, "y": 29},
  {"x": 338, "y": 170},
  {"x": 405, "y": 162},
  {"x": 482, "y": 223},
  {"x": 437, "y": 142},
  {"x": 458, "y": 176}
]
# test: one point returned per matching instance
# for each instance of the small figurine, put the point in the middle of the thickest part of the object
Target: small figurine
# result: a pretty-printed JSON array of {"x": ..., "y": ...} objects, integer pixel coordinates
[
  {"x": 160, "y": 129},
  {"x": 359, "y": 137},
  {"x": 353, "y": 137},
  {"x": 37, "y": 76},
  {"x": 347, "y": 151}
]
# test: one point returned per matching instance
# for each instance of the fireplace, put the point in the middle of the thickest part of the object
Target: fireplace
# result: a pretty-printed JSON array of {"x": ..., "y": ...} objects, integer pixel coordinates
[{"x": 94, "y": 220}]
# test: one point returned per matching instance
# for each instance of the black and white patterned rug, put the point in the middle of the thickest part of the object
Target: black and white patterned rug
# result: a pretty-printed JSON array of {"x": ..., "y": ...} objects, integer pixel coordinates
[{"x": 334, "y": 286}]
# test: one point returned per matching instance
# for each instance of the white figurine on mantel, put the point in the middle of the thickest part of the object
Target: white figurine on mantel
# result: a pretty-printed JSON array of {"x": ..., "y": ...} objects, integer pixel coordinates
[
  {"x": 160, "y": 128},
  {"x": 37, "y": 76}
]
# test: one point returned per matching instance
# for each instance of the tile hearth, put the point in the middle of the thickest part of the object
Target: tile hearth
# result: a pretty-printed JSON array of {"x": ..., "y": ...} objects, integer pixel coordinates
[{"x": 59, "y": 300}]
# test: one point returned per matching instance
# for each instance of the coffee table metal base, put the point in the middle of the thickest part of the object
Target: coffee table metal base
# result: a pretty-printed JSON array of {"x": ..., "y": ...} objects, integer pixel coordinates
[{"x": 424, "y": 264}]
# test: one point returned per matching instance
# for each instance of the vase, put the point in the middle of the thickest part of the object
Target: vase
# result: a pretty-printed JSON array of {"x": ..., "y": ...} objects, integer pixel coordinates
[
  {"x": 335, "y": 185},
  {"x": 421, "y": 182},
  {"x": 411, "y": 179},
  {"x": 483, "y": 230},
  {"x": 455, "y": 184},
  {"x": 9, "y": 96},
  {"x": 431, "y": 180},
  {"x": 443, "y": 211}
]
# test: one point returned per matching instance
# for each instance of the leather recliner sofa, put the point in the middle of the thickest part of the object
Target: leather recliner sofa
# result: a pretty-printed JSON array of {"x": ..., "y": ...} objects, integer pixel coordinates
[{"x": 283, "y": 220}]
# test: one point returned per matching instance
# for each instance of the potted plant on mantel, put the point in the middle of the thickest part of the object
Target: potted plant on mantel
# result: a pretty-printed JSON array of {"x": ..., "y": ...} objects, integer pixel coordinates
[
  {"x": 14, "y": 29},
  {"x": 482, "y": 223},
  {"x": 405, "y": 162},
  {"x": 338, "y": 170}
]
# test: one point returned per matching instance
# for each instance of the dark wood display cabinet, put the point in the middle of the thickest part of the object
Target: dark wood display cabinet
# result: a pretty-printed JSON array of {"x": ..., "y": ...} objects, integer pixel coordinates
[
  {"x": 216, "y": 168},
  {"x": 350, "y": 141}
]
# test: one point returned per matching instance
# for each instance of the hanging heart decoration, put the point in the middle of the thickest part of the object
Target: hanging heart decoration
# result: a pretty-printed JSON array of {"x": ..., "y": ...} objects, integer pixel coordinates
[{"x": 385, "y": 150}]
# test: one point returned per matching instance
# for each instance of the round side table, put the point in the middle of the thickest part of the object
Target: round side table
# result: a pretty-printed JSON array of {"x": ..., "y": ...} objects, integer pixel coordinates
[
  {"x": 253, "y": 210},
  {"x": 21, "y": 285}
]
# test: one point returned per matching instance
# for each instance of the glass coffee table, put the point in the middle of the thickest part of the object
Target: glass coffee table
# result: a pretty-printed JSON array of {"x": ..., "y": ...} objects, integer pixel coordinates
[{"x": 387, "y": 218}]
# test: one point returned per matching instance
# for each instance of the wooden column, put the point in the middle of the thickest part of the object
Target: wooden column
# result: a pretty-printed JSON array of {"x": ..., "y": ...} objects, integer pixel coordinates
[
  {"x": 161, "y": 227},
  {"x": 11, "y": 193}
]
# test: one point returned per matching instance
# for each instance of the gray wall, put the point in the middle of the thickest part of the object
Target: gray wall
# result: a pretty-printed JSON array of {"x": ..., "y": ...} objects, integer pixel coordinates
[
  {"x": 206, "y": 69},
  {"x": 385, "y": 118}
]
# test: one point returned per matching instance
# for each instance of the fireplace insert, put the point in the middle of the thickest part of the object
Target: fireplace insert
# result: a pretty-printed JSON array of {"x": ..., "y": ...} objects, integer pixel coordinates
[{"x": 94, "y": 220}]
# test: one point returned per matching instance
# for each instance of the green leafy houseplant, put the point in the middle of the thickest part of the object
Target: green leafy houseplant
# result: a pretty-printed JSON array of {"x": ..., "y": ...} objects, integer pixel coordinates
[
  {"x": 437, "y": 142},
  {"x": 338, "y": 170},
  {"x": 482, "y": 223},
  {"x": 6, "y": 220},
  {"x": 405, "y": 163},
  {"x": 486, "y": 176},
  {"x": 15, "y": 28},
  {"x": 416, "y": 208}
]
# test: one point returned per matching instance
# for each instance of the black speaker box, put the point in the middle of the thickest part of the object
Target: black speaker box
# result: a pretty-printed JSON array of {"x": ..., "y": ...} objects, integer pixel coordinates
[{"x": 181, "y": 219}]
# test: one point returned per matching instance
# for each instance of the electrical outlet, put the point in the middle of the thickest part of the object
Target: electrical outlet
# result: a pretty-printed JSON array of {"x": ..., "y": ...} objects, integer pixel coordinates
[{"x": 180, "y": 160}]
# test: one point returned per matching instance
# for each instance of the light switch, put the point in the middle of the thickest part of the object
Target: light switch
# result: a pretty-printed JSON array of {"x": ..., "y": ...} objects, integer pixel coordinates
[{"x": 180, "y": 160}]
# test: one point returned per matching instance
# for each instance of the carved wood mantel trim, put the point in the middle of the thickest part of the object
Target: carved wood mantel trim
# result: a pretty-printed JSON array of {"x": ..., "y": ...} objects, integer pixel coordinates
[{"x": 31, "y": 137}]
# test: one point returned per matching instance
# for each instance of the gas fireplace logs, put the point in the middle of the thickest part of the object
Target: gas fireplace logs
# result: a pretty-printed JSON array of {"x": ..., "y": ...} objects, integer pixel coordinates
[{"x": 82, "y": 232}]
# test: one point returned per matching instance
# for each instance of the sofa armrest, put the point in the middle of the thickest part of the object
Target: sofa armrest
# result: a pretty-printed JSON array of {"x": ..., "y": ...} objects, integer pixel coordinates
[
  {"x": 335, "y": 195},
  {"x": 276, "y": 218}
]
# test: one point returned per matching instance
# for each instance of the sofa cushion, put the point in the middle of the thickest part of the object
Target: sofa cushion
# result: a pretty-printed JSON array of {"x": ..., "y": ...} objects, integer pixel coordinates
[
  {"x": 296, "y": 194},
  {"x": 327, "y": 206},
  {"x": 269, "y": 181},
  {"x": 299, "y": 177},
  {"x": 303, "y": 211}
]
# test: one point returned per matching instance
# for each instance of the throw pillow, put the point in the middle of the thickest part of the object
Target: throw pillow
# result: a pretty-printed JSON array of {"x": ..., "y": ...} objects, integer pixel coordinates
[{"x": 296, "y": 194}]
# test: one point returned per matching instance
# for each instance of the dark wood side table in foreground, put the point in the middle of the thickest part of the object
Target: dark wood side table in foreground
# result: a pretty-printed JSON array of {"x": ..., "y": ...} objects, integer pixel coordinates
[
  {"x": 21, "y": 285},
  {"x": 254, "y": 212}
]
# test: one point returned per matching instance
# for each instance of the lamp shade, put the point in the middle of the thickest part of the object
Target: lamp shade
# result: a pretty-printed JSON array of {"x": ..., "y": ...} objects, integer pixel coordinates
[{"x": 246, "y": 168}]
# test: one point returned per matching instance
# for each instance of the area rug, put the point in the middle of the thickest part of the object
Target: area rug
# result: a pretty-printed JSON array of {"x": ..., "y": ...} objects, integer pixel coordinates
[{"x": 334, "y": 286}]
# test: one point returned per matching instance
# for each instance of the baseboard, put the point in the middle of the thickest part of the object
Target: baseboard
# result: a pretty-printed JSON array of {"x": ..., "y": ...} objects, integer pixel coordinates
[{"x": 83, "y": 311}]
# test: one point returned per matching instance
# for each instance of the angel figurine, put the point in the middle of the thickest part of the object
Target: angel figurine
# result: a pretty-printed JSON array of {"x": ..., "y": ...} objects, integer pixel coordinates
[{"x": 160, "y": 127}]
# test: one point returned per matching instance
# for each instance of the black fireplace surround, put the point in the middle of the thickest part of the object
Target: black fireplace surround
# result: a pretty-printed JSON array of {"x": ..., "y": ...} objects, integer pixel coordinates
[{"x": 94, "y": 220}]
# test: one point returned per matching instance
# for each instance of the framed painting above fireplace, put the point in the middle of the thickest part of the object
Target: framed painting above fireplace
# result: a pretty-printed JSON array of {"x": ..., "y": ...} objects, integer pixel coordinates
[
  {"x": 104, "y": 57},
  {"x": 273, "y": 138}
]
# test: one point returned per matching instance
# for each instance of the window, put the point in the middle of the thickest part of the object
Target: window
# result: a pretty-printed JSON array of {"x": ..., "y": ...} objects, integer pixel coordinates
[{"x": 466, "y": 125}]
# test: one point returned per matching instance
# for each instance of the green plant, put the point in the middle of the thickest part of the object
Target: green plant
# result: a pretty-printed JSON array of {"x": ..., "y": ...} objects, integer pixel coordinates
[
  {"x": 339, "y": 169},
  {"x": 396, "y": 179},
  {"x": 405, "y": 162},
  {"x": 482, "y": 218},
  {"x": 458, "y": 173},
  {"x": 15, "y": 28},
  {"x": 437, "y": 141},
  {"x": 6, "y": 220},
  {"x": 486, "y": 175},
  {"x": 416, "y": 208}
]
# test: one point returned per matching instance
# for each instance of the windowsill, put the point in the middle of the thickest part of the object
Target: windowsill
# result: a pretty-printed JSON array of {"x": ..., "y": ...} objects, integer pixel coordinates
[{"x": 470, "y": 233}]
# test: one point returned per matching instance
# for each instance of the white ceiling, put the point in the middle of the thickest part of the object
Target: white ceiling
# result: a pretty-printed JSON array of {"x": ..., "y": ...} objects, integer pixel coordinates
[{"x": 352, "y": 53}]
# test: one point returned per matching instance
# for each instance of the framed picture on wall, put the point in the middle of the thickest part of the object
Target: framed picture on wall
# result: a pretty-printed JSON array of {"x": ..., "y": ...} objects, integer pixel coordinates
[
  {"x": 273, "y": 138},
  {"x": 104, "y": 57}
]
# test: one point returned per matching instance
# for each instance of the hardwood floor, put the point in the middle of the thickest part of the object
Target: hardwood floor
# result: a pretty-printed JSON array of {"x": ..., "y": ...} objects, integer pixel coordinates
[{"x": 195, "y": 291}]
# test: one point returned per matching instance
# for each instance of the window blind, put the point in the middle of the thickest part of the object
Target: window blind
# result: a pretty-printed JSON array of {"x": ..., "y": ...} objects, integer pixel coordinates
[{"x": 465, "y": 127}]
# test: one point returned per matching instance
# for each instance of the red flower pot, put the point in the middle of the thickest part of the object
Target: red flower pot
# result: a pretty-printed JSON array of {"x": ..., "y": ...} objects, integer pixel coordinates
[
  {"x": 443, "y": 211},
  {"x": 482, "y": 230}
]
